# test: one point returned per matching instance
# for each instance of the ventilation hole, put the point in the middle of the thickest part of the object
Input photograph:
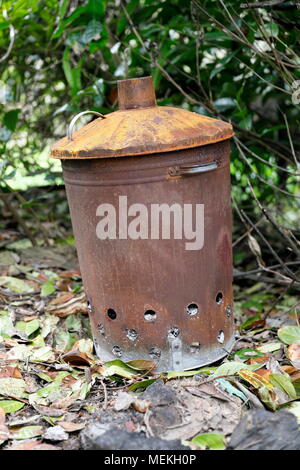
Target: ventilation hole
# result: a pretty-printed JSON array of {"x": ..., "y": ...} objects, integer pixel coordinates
[
  {"x": 111, "y": 314},
  {"x": 177, "y": 363},
  {"x": 101, "y": 329},
  {"x": 174, "y": 332},
  {"x": 155, "y": 353},
  {"x": 195, "y": 348},
  {"x": 132, "y": 334},
  {"x": 228, "y": 310},
  {"x": 192, "y": 309},
  {"x": 117, "y": 351},
  {"x": 219, "y": 298},
  {"x": 221, "y": 337},
  {"x": 150, "y": 315}
]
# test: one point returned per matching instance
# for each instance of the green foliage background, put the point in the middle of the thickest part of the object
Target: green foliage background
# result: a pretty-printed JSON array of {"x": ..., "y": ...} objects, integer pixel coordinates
[{"x": 211, "y": 57}]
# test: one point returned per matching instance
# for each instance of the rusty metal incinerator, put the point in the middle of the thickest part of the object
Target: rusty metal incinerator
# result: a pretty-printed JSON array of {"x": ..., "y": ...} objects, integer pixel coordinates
[{"x": 149, "y": 193}]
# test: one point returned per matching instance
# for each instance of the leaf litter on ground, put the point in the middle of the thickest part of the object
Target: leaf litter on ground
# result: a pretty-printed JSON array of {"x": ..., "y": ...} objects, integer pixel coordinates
[{"x": 51, "y": 378}]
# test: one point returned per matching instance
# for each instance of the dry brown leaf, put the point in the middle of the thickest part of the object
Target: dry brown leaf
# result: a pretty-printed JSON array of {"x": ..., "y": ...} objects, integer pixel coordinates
[
  {"x": 289, "y": 369},
  {"x": 294, "y": 354},
  {"x": 4, "y": 432},
  {"x": 68, "y": 380},
  {"x": 70, "y": 273},
  {"x": 292, "y": 371},
  {"x": 10, "y": 371},
  {"x": 255, "y": 248},
  {"x": 265, "y": 373},
  {"x": 10, "y": 342},
  {"x": 76, "y": 304},
  {"x": 77, "y": 358},
  {"x": 64, "y": 284},
  {"x": 71, "y": 427},
  {"x": 29, "y": 318},
  {"x": 257, "y": 360},
  {"x": 141, "y": 405},
  {"x": 64, "y": 403},
  {"x": 48, "y": 411},
  {"x": 33, "y": 445},
  {"x": 45, "y": 447},
  {"x": 62, "y": 298},
  {"x": 31, "y": 384},
  {"x": 259, "y": 378}
]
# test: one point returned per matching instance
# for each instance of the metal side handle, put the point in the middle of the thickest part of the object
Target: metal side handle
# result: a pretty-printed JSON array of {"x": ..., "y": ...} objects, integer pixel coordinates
[
  {"x": 192, "y": 169},
  {"x": 75, "y": 118}
]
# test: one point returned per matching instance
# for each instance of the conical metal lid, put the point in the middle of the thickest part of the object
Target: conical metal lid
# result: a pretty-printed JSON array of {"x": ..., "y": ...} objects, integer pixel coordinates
[{"x": 140, "y": 127}]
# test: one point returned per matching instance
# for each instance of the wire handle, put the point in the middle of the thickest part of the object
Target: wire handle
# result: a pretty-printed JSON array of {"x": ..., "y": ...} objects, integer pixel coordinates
[
  {"x": 75, "y": 118},
  {"x": 192, "y": 169}
]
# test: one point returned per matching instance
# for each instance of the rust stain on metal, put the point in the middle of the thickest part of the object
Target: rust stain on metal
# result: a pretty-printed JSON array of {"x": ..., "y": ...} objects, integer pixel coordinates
[
  {"x": 153, "y": 299},
  {"x": 140, "y": 127}
]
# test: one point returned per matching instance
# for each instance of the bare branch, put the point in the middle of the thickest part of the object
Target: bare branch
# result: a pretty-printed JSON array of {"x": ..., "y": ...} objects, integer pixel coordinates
[
  {"x": 267, "y": 3},
  {"x": 12, "y": 34}
]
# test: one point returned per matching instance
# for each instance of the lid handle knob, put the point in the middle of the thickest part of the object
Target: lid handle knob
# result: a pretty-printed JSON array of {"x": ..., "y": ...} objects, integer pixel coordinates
[{"x": 136, "y": 93}]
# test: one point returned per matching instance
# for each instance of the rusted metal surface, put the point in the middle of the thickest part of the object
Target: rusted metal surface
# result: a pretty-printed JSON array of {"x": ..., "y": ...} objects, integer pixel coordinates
[
  {"x": 128, "y": 278},
  {"x": 141, "y": 128},
  {"x": 136, "y": 93},
  {"x": 152, "y": 298}
]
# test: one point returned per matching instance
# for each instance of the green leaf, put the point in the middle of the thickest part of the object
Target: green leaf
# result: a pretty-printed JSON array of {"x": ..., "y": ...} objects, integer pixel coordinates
[
  {"x": 73, "y": 323},
  {"x": 4, "y": 25},
  {"x": 6, "y": 325},
  {"x": 45, "y": 377},
  {"x": 48, "y": 288},
  {"x": 43, "y": 354},
  {"x": 19, "y": 353},
  {"x": 28, "y": 327},
  {"x": 27, "y": 432},
  {"x": 72, "y": 74},
  {"x": 271, "y": 29},
  {"x": 63, "y": 8},
  {"x": 141, "y": 365},
  {"x": 289, "y": 334},
  {"x": 269, "y": 347},
  {"x": 11, "y": 406},
  {"x": 246, "y": 123},
  {"x": 142, "y": 384},
  {"x": 284, "y": 383},
  {"x": 44, "y": 392},
  {"x": 11, "y": 118},
  {"x": 248, "y": 353},
  {"x": 63, "y": 24},
  {"x": 119, "y": 368},
  {"x": 232, "y": 367},
  {"x": 92, "y": 32},
  {"x": 296, "y": 384},
  {"x": 48, "y": 323},
  {"x": 96, "y": 8},
  {"x": 66, "y": 65},
  {"x": 268, "y": 397},
  {"x": 37, "y": 342},
  {"x": 64, "y": 340},
  {"x": 229, "y": 388},
  {"x": 250, "y": 321},
  {"x": 254, "y": 379},
  {"x": 15, "y": 284},
  {"x": 12, "y": 387},
  {"x": 211, "y": 440}
]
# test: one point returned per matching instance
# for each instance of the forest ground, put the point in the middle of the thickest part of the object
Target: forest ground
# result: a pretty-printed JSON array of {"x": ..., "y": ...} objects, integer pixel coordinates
[{"x": 53, "y": 388}]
